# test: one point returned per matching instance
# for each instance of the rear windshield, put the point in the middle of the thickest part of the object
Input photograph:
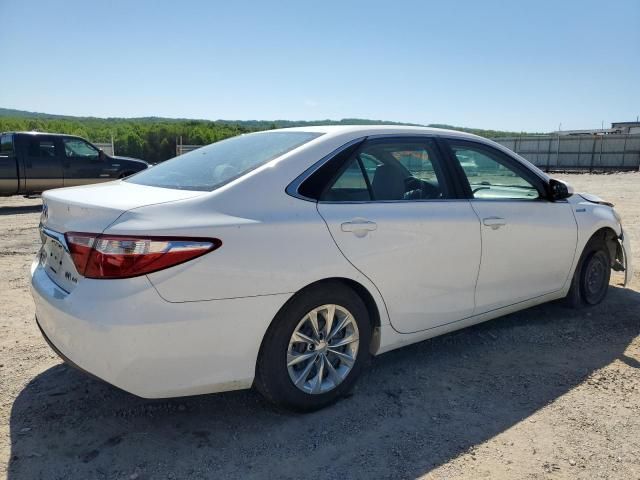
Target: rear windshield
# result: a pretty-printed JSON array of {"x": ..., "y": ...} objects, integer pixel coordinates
[{"x": 210, "y": 167}]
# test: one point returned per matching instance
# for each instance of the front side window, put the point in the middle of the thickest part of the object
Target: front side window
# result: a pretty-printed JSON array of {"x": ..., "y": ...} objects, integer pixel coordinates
[
  {"x": 210, "y": 167},
  {"x": 490, "y": 175},
  {"x": 384, "y": 170},
  {"x": 74, "y": 147}
]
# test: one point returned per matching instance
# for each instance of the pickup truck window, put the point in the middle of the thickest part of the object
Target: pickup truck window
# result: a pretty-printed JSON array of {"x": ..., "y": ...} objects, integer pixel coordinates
[
  {"x": 41, "y": 148},
  {"x": 75, "y": 147},
  {"x": 6, "y": 144}
]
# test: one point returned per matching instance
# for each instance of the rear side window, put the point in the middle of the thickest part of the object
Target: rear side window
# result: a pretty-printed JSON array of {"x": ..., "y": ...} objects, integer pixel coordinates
[
  {"x": 350, "y": 186},
  {"x": 40, "y": 147},
  {"x": 210, "y": 167},
  {"x": 390, "y": 170},
  {"x": 6, "y": 144}
]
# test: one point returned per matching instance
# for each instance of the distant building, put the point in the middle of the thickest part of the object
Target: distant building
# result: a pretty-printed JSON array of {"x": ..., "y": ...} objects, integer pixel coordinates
[
  {"x": 626, "y": 127},
  {"x": 620, "y": 128}
]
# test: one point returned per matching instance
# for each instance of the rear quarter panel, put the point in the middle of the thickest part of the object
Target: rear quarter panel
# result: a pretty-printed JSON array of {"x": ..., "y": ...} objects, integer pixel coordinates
[{"x": 272, "y": 243}]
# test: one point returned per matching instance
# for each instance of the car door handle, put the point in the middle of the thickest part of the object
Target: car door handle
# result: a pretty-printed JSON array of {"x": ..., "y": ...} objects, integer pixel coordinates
[
  {"x": 494, "y": 222},
  {"x": 359, "y": 226}
]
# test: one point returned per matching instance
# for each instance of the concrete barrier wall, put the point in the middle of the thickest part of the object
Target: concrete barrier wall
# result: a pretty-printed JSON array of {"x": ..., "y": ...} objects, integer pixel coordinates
[{"x": 577, "y": 152}]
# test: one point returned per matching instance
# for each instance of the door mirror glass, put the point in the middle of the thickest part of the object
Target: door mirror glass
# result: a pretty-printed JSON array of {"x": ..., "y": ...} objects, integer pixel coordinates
[{"x": 559, "y": 190}]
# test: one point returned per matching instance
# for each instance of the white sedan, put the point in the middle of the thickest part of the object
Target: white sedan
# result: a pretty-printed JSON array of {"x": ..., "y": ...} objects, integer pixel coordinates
[{"x": 284, "y": 259}]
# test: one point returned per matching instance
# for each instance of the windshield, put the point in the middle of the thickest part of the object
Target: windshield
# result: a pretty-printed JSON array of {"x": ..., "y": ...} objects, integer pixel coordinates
[{"x": 210, "y": 167}]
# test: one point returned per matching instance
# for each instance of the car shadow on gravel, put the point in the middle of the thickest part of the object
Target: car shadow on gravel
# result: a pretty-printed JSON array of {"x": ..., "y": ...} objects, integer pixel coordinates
[
  {"x": 20, "y": 209},
  {"x": 413, "y": 410}
]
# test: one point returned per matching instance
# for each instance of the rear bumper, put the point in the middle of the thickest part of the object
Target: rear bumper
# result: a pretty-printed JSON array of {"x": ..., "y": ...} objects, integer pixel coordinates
[{"x": 124, "y": 333}]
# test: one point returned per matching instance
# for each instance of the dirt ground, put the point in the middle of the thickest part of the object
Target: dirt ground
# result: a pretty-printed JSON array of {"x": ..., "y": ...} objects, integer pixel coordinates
[{"x": 544, "y": 393}]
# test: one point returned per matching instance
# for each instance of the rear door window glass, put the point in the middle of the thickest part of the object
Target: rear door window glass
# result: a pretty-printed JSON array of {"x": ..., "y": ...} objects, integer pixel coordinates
[
  {"x": 39, "y": 147},
  {"x": 350, "y": 186},
  {"x": 391, "y": 169},
  {"x": 210, "y": 167}
]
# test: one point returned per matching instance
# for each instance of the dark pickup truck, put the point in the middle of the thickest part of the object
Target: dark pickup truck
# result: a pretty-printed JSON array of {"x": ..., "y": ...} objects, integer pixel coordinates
[{"x": 31, "y": 162}]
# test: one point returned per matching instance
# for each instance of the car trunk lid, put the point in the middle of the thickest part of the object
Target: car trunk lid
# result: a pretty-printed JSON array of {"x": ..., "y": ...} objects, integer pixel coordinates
[
  {"x": 89, "y": 209},
  {"x": 93, "y": 208}
]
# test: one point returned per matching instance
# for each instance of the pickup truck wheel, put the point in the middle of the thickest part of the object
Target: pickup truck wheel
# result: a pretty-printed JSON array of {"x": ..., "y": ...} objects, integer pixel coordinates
[{"x": 125, "y": 174}]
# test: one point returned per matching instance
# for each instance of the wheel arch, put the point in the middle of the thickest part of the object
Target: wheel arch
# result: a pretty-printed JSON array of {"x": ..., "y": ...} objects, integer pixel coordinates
[
  {"x": 609, "y": 237},
  {"x": 365, "y": 295}
]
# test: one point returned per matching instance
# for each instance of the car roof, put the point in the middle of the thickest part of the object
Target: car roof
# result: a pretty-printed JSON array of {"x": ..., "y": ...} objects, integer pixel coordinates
[
  {"x": 40, "y": 133},
  {"x": 379, "y": 130}
]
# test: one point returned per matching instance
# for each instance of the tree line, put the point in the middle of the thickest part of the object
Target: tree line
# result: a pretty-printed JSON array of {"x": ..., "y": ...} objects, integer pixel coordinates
[{"x": 154, "y": 139}]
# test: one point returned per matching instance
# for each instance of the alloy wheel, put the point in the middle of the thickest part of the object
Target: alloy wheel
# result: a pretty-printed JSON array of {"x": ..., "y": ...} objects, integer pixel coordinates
[{"x": 322, "y": 349}]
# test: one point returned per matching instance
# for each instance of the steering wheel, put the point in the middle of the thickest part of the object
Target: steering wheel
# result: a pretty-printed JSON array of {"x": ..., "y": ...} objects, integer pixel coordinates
[
  {"x": 427, "y": 190},
  {"x": 430, "y": 191}
]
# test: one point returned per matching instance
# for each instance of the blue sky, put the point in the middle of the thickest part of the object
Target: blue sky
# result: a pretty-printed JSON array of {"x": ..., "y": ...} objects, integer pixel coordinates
[{"x": 490, "y": 64}]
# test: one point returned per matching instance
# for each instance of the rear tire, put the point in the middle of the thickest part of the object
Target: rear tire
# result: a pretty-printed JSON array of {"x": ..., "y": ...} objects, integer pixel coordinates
[
  {"x": 590, "y": 281},
  {"x": 325, "y": 365}
]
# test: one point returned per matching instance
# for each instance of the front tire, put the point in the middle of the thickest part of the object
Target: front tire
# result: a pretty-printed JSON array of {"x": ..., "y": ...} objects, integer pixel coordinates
[
  {"x": 315, "y": 349},
  {"x": 590, "y": 282}
]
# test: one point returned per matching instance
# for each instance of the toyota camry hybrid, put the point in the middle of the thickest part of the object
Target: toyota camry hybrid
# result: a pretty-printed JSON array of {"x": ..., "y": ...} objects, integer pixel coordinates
[{"x": 284, "y": 259}]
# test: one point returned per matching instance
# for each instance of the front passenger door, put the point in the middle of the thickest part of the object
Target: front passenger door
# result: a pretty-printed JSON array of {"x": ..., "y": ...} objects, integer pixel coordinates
[
  {"x": 83, "y": 164},
  {"x": 528, "y": 242}
]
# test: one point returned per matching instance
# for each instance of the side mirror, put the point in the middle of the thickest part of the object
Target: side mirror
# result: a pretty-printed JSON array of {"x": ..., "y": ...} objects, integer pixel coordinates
[
  {"x": 559, "y": 190},
  {"x": 101, "y": 156}
]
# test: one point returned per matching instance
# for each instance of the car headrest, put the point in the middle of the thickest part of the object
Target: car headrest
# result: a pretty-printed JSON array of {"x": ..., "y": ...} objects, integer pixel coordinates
[{"x": 388, "y": 183}]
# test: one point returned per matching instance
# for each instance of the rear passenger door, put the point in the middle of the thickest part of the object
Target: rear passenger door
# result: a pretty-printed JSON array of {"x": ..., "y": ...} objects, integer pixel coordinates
[
  {"x": 43, "y": 162},
  {"x": 391, "y": 210}
]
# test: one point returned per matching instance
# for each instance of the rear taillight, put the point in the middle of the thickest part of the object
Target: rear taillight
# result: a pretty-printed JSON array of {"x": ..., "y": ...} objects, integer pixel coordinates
[{"x": 119, "y": 256}]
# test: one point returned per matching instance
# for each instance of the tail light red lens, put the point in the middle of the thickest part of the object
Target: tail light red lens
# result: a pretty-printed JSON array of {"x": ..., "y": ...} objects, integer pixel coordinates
[{"x": 119, "y": 256}]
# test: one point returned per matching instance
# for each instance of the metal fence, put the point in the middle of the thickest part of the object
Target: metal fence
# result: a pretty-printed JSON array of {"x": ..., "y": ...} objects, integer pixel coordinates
[
  {"x": 577, "y": 152},
  {"x": 182, "y": 148},
  {"x": 591, "y": 153}
]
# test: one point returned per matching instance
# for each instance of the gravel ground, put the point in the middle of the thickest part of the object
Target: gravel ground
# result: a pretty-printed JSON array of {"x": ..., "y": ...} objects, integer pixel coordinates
[{"x": 544, "y": 393}]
